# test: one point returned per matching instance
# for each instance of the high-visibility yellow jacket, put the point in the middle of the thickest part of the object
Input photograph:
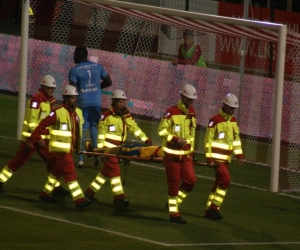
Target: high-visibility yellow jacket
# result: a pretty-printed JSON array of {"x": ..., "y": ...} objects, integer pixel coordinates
[
  {"x": 178, "y": 122},
  {"x": 37, "y": 108},
  {"x": 222, "y": 138},
  {"x": 65, "y": 129},
  {"x": 113, "y": 129}
]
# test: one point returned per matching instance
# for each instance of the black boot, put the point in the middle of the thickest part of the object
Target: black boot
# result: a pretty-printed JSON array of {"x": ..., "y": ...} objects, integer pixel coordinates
[
  {"x": 121, "y": 203},
  {"x": 2, "y": 190},
  {"x": 60, "y": 191},
  {"x": 194, "y": 158},
  {"x": 213, "y": 214},
  {"x": 96, "y": 162},
  {"x": 178, "y": 220},
  {"x": 83, "y": 204}
]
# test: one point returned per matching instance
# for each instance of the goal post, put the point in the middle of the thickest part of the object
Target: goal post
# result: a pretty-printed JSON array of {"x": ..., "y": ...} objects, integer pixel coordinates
[
  {"x": 23, "y": 66},
  {"x": 136, "y": 43},
  {"x": 279, "y": 80},
  {"x": 279, "y": 77}
]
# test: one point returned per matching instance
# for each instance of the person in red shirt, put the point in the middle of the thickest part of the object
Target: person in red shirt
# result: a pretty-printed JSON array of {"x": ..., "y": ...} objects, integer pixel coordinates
[
  {"x": 65, "y": 124},
  {"x": 189, "y": 53},
  {"x": 38, "y": 107}
]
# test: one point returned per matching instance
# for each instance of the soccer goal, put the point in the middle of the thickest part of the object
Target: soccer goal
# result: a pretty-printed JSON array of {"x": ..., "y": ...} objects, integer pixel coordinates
[{"x": 137, "y": 43}]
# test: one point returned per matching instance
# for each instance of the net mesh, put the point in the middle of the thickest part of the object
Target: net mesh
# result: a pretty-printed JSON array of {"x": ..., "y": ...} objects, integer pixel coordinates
[{"x": 136, "y": 49}]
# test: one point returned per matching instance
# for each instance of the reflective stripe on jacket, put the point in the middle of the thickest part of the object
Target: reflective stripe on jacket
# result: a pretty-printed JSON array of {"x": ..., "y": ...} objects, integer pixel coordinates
[
  {"x": 64, "y": 136},
  {"x": 178, "y": 122},
  {"x": 113, "y": 129},
  {"x": 222, "y": 138},
  {"x": 38, "y": 107}
]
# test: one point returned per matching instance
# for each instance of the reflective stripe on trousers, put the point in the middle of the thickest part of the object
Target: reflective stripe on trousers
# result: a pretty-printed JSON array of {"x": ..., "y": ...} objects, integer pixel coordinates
[{"x": 98, "y": 182}]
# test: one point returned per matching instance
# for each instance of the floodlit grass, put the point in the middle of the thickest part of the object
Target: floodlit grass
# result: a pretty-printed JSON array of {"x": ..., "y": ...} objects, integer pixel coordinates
[{"x": 254, "y": 218}]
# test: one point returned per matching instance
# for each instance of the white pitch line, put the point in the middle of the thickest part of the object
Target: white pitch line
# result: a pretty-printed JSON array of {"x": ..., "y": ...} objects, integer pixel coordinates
[
  {"x": 5, "y": 137},
  {"x": 235, "y": 244},
  {"x": 202, "y": 176},
  {"x": 144, "y": 239},
  {"x": 210, "y": 178},
  {"x": 82, "y": 225}
]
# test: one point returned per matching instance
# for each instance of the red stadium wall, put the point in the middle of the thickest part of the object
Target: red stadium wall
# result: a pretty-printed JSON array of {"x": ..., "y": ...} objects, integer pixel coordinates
[{"x": 255, "y": 49}]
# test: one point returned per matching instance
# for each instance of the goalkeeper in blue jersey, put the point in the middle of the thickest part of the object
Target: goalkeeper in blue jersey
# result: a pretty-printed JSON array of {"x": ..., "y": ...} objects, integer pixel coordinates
[{"x": 89, "y": 78}]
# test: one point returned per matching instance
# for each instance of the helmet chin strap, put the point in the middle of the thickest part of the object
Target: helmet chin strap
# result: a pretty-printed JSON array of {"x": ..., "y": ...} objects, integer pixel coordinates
[{"x": 121, "y": 111}]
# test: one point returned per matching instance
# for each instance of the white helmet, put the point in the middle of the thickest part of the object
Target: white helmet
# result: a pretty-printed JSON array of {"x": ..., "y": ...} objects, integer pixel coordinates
[
  {"x": 70, "y": 90},
  {"x": 231, "y": 100},
  {"x": 189, "y": 91},
  {"x": 48, "y": 81},
  {"x": 118, "y": 94}
]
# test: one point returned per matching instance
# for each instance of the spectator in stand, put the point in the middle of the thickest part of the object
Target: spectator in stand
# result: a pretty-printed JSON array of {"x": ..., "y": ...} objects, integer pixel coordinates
[
  {"x": 189, "y": 53},
  {"x": 88, "y": 78}
]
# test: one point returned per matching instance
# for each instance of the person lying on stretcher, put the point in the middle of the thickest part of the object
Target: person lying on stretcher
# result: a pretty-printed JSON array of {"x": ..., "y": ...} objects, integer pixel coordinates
[{"x": 129, "y": 149}]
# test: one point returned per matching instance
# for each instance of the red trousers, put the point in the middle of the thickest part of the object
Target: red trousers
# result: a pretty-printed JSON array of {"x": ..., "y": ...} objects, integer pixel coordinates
[
  {"x": 24, "y": 154},
  {"x": 177, "y": 171},
  {"x": 111, "y": 167},
  {"x": 222, "y": 176},
  {"x": 64, "y": 167}
]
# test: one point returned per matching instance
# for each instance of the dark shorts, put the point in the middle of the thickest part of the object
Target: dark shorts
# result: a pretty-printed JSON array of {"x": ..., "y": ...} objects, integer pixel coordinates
[{"x": 91, "y": 116}]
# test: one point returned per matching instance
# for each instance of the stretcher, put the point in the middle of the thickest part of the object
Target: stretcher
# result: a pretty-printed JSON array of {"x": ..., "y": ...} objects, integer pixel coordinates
[{"x": 133, "y": 152}]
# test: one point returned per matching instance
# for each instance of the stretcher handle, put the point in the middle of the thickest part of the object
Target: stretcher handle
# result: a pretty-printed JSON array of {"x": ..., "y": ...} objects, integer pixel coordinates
[{"x": 137, "y": 158}]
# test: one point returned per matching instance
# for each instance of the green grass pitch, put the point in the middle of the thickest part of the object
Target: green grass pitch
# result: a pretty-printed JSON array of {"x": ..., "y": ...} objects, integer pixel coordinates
[{"x": 254, "y": 218}]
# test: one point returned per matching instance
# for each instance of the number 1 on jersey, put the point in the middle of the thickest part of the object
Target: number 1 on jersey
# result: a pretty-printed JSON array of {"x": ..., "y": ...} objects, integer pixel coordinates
[{"x": 89, "y": 72}]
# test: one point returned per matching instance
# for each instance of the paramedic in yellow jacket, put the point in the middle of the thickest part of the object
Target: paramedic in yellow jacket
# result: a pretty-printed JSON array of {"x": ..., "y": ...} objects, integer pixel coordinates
[
  {"x": 177, "y": 128},
  {"x": 221, "y": 140},
  {"x": 113, "y": 128},
  {"x": 37, "y": 108},
  {"x": 65, "y": 124}
]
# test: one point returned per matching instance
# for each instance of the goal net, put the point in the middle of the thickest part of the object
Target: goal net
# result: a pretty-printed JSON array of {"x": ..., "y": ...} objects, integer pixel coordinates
[{"x": 136, "y": 47}]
